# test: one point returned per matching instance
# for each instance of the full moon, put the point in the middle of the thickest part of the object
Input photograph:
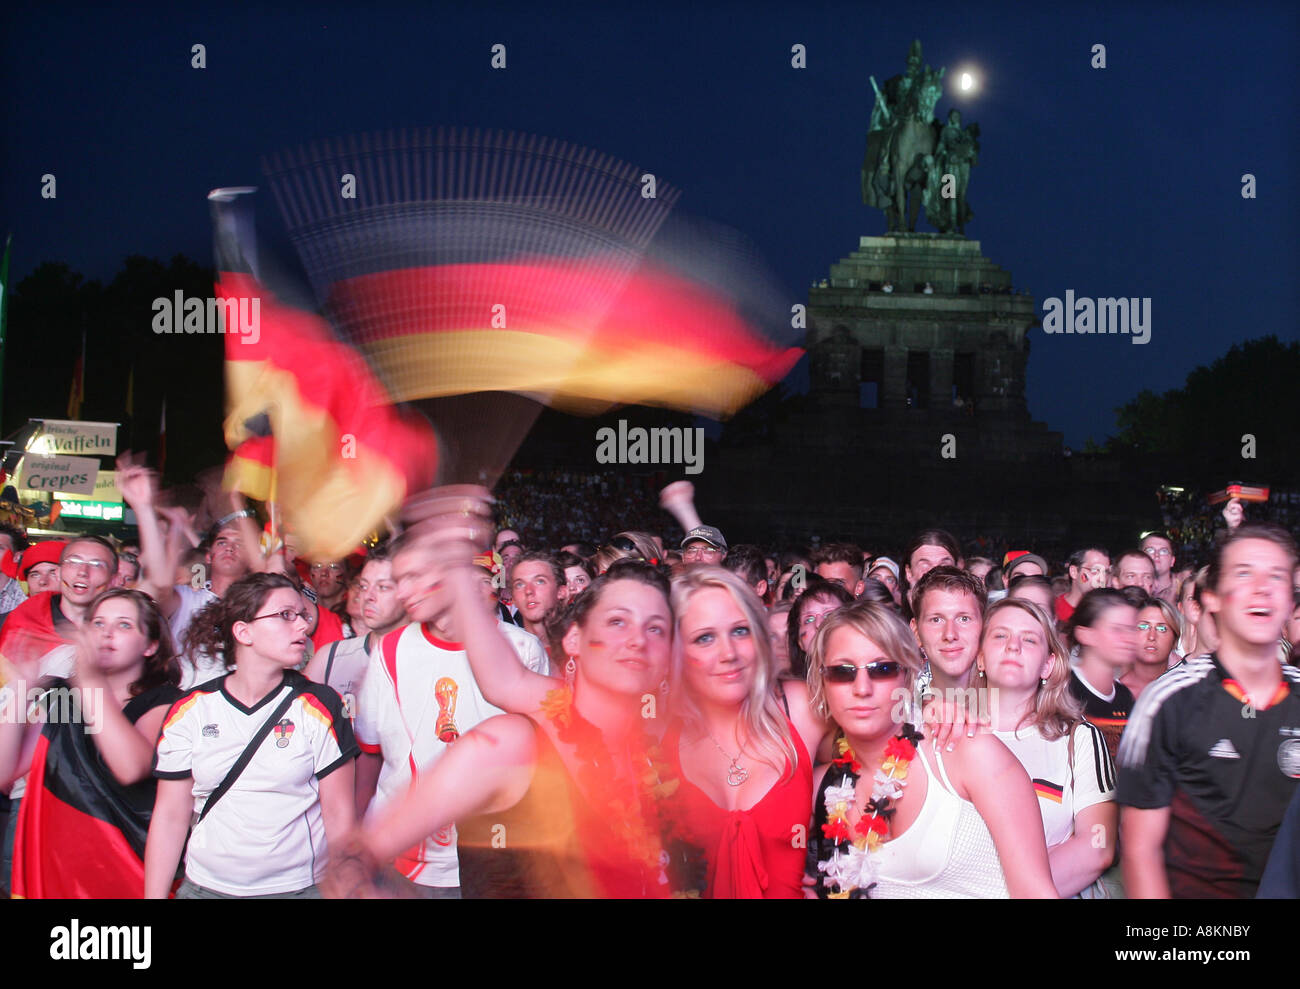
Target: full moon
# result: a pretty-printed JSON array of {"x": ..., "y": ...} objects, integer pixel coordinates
[{"x": 966, "y": 81}]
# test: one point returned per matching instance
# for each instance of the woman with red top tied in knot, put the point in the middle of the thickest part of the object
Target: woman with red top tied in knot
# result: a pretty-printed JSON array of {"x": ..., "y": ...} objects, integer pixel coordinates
[{"x": 742, "y": 742}]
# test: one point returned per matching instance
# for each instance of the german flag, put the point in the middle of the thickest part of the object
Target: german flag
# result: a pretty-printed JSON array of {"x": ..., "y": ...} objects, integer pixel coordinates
[
  {"x": 666, "y": 339},
  {"x": 303, "y": 406},
  {"x": 474, "y": 262},
  {"x": 81, "y": 834},
  {"x": 1048, "y": 790}
]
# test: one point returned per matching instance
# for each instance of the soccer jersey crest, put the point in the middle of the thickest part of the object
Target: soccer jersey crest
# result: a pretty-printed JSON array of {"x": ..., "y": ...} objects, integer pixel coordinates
[{"x": 283, "y": 732}]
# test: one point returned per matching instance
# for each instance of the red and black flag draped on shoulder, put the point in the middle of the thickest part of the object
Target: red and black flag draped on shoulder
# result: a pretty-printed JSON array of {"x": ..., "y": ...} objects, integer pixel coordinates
[{"x": 81, "y": 834}]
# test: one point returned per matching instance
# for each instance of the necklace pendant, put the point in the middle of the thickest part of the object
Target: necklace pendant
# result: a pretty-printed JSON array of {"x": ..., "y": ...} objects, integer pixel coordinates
[{"x": 736, "y": 774}]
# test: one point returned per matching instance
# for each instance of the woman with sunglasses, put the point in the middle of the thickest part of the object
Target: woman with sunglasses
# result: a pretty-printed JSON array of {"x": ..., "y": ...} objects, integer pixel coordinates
[
  {"x": 1025, "y": 662},
  {"x": 1159, "y": 628},
  {"x": 894, "y": 817},
  {"x": 267, "y": 832}
]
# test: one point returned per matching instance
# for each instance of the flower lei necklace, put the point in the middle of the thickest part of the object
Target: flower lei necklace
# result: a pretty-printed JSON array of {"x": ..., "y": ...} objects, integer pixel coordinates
[
  {"x": 851, "y": 868},
  {"x": 668, "y": 862}
]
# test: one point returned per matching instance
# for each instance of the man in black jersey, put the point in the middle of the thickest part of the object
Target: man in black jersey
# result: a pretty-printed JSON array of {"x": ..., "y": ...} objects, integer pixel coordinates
[{"x": 1210, "y": 758}]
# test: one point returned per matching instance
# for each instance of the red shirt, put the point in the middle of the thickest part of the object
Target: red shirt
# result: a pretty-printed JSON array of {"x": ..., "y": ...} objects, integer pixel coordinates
[
  {"x": 329, "y": 628},
  {"x": 1064, "y": 609}
]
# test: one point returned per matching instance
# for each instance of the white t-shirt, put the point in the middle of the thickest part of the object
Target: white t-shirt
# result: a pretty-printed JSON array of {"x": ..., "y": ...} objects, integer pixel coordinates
[
  {"x": 267, "y": 834},
  {"x": 1062, "y": 793},
  {"x": 345, "y": 670},
  {"x": 417, "y": 688},
  {"x": 198, "y": 667}
]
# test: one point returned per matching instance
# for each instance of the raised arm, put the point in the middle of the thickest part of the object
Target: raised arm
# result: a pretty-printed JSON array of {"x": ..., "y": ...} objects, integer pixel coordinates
[
  {"x": 502, "y": 678},
  {"x": 488, "y": 769},
  {"x": 453, "y": 522},
  {"x": 139, "y": 487},
  {"x": 126, "y": 748}
]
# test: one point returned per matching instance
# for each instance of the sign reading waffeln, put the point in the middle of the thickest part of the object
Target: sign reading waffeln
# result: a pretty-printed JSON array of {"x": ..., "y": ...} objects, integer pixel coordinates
[
  {"x": 92, "y": 439},
  {"x": 47, "y": 475}
]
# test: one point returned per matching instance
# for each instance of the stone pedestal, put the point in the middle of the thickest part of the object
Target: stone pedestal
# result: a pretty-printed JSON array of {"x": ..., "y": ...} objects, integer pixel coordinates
[{"x": 892, "y": 375}]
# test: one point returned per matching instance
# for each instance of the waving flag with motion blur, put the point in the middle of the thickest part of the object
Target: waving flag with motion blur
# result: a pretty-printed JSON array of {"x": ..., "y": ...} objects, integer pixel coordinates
[{"x": 306, "y": 419}]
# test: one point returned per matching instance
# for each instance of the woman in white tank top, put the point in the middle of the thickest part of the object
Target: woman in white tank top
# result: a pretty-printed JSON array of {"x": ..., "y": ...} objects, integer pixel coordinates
[
  {"x": 892, "y": 816},
  {"x": 1023, "y": 659}
]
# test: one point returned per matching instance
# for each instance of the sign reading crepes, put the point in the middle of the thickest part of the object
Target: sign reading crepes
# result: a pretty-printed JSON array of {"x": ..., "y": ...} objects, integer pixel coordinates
[
  {"x": 96, "y": 439},
  {"x": 47, "y": 475},
  {"x": 105, "y": 490}
]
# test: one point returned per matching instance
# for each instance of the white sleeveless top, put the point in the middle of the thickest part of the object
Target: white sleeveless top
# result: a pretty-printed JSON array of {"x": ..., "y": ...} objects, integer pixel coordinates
[{"x": 947, "y": 853}]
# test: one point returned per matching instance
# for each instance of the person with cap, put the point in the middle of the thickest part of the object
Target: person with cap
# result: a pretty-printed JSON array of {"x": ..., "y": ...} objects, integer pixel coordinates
[
  {"x": 886, "y": 571},
  {"x": 40, "y": 566},
  {"x": 1021, "y": 563},
  {"x": 704, "y": 544}
]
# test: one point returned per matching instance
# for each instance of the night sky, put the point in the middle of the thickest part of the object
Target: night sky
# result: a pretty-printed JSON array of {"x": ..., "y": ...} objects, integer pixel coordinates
[{"x": 1123, "y": 181}]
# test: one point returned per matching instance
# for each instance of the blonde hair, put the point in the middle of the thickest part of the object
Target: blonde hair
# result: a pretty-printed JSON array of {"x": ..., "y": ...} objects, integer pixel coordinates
[
  {"x": 762, "y": 716},
  {"x": 883, "y": 626},
  {"x": 1056, "y": 711}
]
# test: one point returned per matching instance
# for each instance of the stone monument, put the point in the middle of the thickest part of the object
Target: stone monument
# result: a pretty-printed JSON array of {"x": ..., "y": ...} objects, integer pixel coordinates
[{"x": 917, "y": 358}]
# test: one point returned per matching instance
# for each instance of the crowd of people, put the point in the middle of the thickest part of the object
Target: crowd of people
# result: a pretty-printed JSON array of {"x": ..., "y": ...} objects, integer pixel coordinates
[{"x": 504, "y": 700}]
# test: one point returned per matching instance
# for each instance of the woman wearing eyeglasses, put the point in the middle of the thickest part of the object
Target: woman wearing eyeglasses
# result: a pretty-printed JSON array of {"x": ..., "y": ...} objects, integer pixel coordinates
[
  {"x": 894, "y": 817},
  {"x": 819, "y": 598},
  {"x": 265, "y": 832},
  {"x": 1159, "y": 628},
  {"x": 1025, "y": 662}
]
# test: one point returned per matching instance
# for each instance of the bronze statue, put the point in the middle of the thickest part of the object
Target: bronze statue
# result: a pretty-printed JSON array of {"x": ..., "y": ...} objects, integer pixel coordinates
[{"x": 908, "y": 152}]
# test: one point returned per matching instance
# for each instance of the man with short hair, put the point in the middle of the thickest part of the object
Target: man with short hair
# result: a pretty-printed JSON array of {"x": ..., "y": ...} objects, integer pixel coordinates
[
  {"x": 704, "y": 544},
  {"x": 539, "y": 590},
  {"x": 1211, "y": 755},
  {"x": 330, "y": 581},
  {"x": 86, "y": 567},
  {"x": 1134, "y": 569},
  {"x": 949, "y": 606},
  {"x": 840, "y": 563},
  {"x": 1088, "y": 569},
  {"x": 419, "y": 695},
  {"x": 748, "y": 562},
  {"x": 1160, "y": 548}
]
